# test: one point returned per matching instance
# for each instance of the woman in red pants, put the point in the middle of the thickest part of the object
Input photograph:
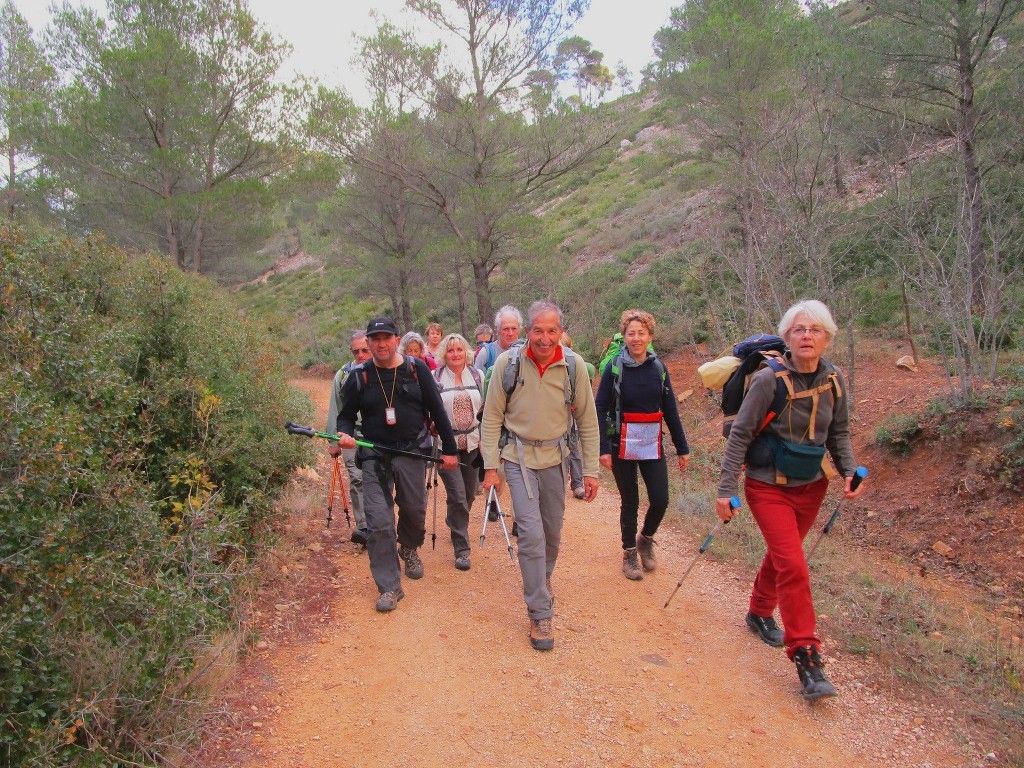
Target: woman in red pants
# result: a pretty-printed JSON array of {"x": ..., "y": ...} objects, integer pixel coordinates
[{"x": 785, "y": 483}]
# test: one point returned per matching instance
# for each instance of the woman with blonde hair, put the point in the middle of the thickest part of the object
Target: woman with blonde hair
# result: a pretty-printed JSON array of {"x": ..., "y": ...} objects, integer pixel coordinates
[
  {"x": 461, "y": 393},
  {"x": 633, "y": 399}
]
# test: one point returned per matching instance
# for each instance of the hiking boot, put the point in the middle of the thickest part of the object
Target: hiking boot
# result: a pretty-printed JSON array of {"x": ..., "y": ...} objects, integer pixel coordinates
[
  {"x": 360, "y": 536},
  {"x": 388, "y": 601},
  {"x": 515, "y": 529},
  {"x": 413, "y": 564},
  {"x": 492, "y": 514},
  {"x": 645, "y": 548},
  {"x": 810, "y": 667},
  {"x": 766, "y": 627},
  {"x": 542, "y": 637},
  {"x": 462, "y": 562},
  {"x": 630, "y": 566},
  {"x": 579, "y": 492}
]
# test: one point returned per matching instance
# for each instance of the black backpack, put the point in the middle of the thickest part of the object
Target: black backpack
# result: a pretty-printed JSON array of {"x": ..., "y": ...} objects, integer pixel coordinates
[{"x": 752, "y": 352}]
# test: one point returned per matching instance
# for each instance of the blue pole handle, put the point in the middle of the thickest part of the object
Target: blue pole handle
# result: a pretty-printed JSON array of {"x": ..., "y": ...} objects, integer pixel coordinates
[{"x": 858, "y": 475}]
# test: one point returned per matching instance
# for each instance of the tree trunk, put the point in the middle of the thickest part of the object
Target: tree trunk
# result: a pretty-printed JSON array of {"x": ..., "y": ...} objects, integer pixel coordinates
[
  {"x": 197, "y": 244},
  {"x": 851, "y": 367},
  {"x": 460, "y": 292},
  {"x": 906, "y": 318},
  {"x": 10, "y": 176},
  {"x": 482, "y": 286},
  {"x": 967, "y": 124}
]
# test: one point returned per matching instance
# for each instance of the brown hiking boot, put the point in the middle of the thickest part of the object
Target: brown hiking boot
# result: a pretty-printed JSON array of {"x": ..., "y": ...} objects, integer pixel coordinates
[
  {"x": 413, "y": 564},
  {"x": 645, "y": 548},
  {"x": 542, "y": 637},
  {"x": 630, "y": 566}
]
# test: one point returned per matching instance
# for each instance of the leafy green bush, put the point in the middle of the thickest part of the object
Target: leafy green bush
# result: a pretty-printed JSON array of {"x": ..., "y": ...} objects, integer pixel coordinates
[
  {"x": 895, "y": 433},
  {"x": 142, "y": 443}
]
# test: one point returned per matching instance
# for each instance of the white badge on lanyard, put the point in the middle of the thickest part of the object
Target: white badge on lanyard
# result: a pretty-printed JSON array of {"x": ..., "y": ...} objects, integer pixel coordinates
[{"x": 390, "y": 417}]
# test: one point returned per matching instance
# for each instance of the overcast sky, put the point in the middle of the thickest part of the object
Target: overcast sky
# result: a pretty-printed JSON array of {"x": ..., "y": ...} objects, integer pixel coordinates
[{"x": 321, "y": 32}]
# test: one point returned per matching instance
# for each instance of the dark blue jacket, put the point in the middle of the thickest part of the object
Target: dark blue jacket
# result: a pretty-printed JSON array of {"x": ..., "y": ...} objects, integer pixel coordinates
[{"x": 642, "y": 392}]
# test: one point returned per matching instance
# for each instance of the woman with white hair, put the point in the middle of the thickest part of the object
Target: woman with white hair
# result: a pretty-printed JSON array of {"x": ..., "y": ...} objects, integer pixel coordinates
[
  {"x": 461, "y": 393},
  {"x": 785, "y": 483},
  {"x": 412, "y": 345}
]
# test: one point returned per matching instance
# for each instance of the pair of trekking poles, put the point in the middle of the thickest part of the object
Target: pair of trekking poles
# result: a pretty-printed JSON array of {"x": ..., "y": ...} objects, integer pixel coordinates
[
  {"x": 858, "y": 476},
  {"x": 336, "y": 480}
]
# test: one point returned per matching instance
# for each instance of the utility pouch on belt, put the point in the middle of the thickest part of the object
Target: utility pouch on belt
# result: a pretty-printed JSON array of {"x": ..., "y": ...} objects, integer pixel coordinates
[
  {"x": 796, "y": 461},
  {"x": 640, "y": 438}
]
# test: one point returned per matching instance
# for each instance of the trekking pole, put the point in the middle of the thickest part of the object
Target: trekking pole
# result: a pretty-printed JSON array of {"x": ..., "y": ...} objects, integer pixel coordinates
[
  {"x": 330, "y": 499},
  {"x": 299, "y": 429},
  {"x": 433, "y": 532},
  {"x": 492, "y": 503},
  {"x": 344, "y": 493},
  {"x": 735, "y": 503},
  {"x": 859, "y": 474}
]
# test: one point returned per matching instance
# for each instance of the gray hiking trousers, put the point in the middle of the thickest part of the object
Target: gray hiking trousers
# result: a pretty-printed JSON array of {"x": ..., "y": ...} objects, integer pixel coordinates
[
  {"x": 382, "y": 479},
  {"x": 539, "y": 521}
]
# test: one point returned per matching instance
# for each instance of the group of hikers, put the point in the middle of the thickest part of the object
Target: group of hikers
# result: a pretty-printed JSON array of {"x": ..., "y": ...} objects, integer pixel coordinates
[{"x": 526, "y": 411}]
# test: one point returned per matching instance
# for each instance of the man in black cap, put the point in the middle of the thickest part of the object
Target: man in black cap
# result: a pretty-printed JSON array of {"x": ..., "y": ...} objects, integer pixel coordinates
[{"x": 396, "y": 398}]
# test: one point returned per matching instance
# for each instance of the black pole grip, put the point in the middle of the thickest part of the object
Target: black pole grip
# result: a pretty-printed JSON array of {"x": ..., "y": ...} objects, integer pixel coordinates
[{"x": 296, "y": 429}]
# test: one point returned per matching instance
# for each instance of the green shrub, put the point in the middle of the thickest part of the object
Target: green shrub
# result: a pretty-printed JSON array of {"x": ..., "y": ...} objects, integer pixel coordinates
[
  {"x": 142, "y": 444},
  {"x": 895, "y": 433}
]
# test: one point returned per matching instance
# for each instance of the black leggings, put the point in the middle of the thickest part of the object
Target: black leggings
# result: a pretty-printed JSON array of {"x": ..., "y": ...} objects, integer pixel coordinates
[{"x": 655, "y": 475}]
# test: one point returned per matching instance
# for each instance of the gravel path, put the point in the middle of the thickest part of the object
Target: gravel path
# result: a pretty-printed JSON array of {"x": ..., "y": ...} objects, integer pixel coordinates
[{"x": 450, "y": 679}]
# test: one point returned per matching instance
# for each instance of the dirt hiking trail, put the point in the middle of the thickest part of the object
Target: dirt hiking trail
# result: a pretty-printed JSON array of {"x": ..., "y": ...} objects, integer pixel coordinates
[{"x": 449, "y": 678}]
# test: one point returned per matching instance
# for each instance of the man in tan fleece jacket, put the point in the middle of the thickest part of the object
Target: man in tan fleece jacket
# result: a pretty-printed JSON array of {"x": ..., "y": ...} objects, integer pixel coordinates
[{"x": 526, "y": 430}]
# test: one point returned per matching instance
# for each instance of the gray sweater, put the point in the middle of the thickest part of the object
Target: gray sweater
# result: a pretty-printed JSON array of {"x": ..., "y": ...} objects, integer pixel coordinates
[{"x": 831, "y": 427}]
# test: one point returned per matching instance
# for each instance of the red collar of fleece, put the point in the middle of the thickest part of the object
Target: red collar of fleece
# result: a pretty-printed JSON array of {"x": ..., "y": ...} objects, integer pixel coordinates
[{"x": 541, "y": 368}]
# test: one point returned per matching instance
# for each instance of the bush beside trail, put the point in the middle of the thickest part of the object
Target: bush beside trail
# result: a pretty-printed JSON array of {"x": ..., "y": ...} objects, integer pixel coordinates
[{"x": 141, "y": 448}]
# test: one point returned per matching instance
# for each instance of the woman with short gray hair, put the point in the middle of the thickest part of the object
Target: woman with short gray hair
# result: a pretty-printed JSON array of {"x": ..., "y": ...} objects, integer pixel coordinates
[{"x": 785, "y": 484}]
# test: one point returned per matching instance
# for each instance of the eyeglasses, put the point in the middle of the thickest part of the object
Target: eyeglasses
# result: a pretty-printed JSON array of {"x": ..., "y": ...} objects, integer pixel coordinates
[
  {"x": 814, "y": 331},
  {"x": 360, "y": 351}
]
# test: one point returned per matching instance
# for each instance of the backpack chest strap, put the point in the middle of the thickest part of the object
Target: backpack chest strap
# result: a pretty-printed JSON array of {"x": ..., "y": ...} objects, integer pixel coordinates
[{"x": 831, "y": 383}]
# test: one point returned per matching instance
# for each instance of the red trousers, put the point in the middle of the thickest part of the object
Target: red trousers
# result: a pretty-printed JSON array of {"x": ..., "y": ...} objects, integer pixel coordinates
[{"x": 785, "y": 515}]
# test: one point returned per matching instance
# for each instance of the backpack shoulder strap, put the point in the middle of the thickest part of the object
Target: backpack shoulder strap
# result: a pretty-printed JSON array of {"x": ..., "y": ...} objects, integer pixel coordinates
[
  {"x": 510, "y": 376},
  {"x": 570, "y": 362},
  {"x": 361, "y": 376}
]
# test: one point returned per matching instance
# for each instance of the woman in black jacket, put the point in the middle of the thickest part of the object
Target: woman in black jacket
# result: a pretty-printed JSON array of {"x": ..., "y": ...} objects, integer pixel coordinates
[{"x": 634, "y": 397}]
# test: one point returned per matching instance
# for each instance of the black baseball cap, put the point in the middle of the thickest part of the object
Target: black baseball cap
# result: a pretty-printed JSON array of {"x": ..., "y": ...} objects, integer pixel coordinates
[{"x": 381, "y": 325}]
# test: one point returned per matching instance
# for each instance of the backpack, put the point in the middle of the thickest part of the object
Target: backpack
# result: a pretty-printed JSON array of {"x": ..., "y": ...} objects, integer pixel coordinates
[
  {"x": 511, "y": 373},
  {"x": 424, "y": 439},
  {"x": 478, "y": 384},
  {"x": 615, "y": 370},
  {"x": 510, "y": 380},
  {"x": 493, "y": 350},
  {"x": 612, "y": 349},
  {"x": 752, "y": 353},
  {"x": 478, "y": 380}
]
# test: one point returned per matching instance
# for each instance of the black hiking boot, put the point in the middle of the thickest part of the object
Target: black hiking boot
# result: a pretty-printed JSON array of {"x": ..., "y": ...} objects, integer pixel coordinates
[
  {"x": 810, "y": 667},
  {"x": 766, "y": 627},
  {"x": 360, "y": 536}
]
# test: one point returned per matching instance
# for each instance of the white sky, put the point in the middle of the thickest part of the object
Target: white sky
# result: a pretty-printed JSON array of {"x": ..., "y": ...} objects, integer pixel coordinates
[{"x": 321, "y": 32}]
